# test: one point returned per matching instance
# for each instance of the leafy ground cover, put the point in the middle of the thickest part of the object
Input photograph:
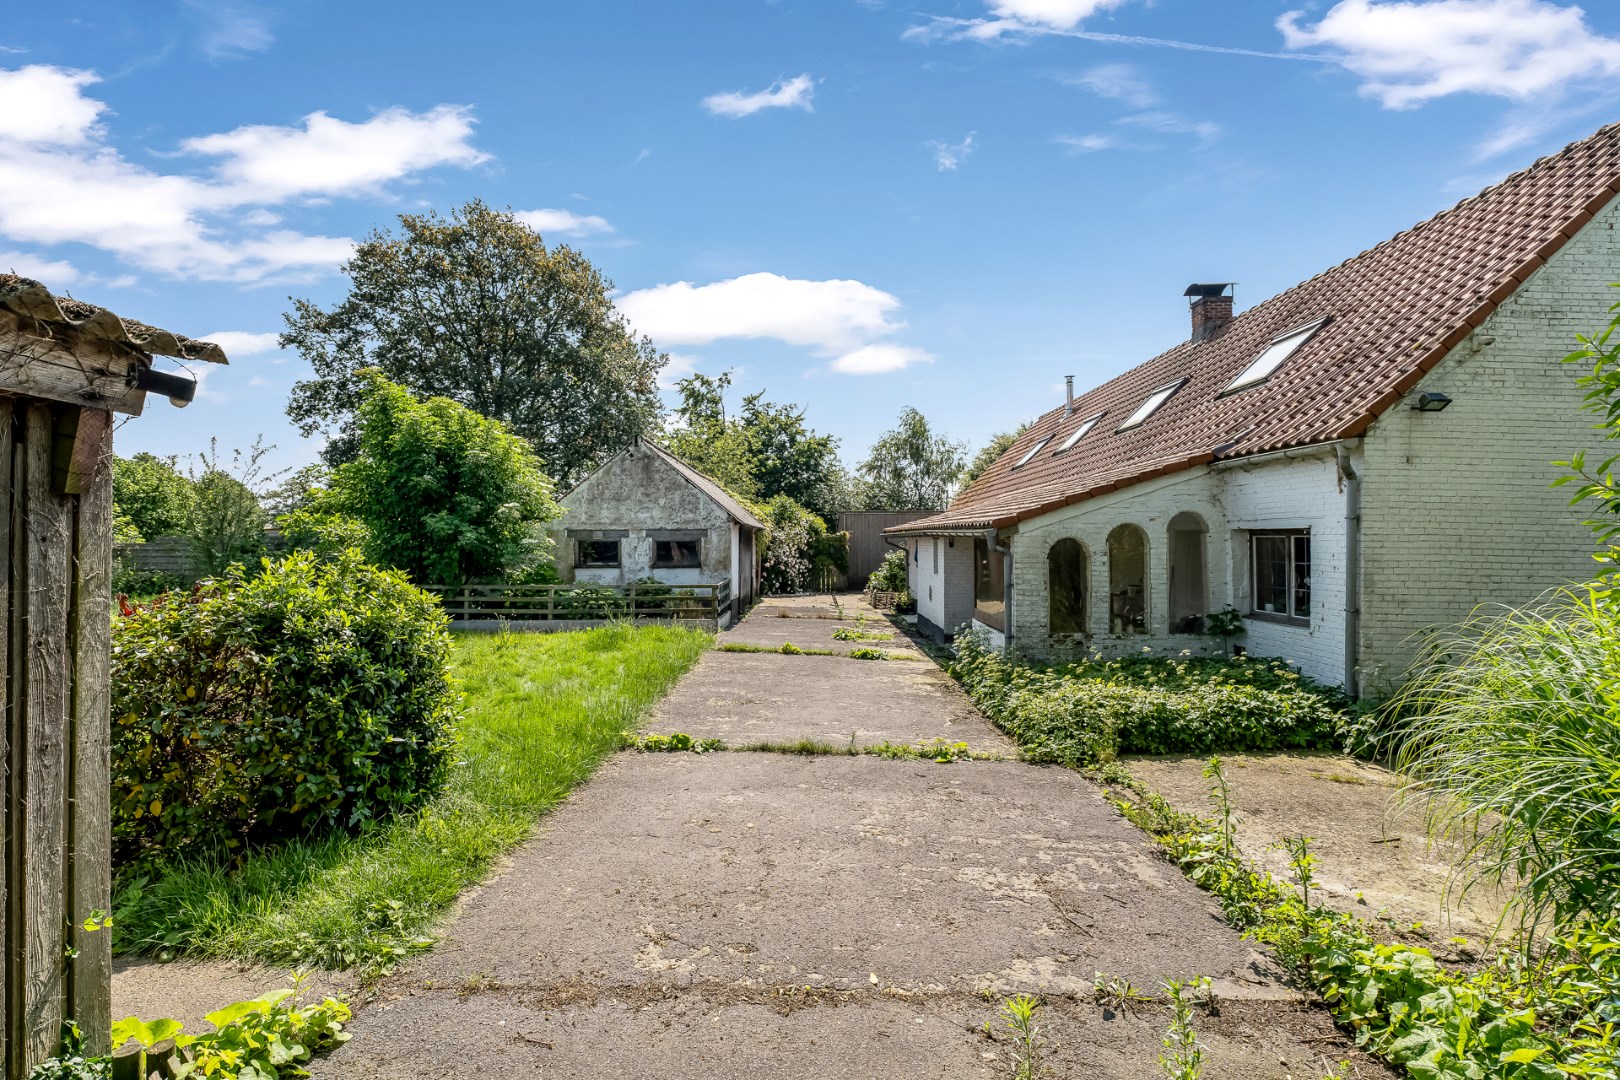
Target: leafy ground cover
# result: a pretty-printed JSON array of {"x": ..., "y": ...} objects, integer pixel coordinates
[
  {"x": 1089, "y": 712},
  {"x": 1523, "y": 1016},
  {"x": 541, "y": 710}
]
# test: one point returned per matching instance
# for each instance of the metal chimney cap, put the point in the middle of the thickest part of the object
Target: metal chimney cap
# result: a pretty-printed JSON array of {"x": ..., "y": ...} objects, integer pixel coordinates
[{"x": 1207, "y": 290}]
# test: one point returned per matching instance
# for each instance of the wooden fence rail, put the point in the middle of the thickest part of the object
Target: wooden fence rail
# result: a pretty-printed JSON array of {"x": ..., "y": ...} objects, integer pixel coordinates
[{"x": 557, "y": 603}]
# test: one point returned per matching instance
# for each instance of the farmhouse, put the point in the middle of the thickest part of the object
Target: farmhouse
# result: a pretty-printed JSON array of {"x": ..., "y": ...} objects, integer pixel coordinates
[
  {"x": 645, "y": 514},
  {"x": 1346, "y": 464}
]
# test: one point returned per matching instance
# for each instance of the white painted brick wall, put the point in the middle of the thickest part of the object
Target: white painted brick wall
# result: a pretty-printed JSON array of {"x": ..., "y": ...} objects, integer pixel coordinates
[
  {"x": 1281, "y": 494},
  {"x": 944, "y": 599},
  {"x": 1457, "y": 508}
]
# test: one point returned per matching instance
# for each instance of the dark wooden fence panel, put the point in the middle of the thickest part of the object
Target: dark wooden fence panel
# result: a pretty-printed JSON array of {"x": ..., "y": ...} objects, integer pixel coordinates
[
  {"x": 164, "y": 554},
  {"x": 867, "y": 548}
]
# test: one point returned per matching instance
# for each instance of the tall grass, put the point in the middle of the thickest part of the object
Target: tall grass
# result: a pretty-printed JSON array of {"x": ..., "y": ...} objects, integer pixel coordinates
[
  {"x": 542, "y": 710},
  {"x": 1511, "y": 741}
]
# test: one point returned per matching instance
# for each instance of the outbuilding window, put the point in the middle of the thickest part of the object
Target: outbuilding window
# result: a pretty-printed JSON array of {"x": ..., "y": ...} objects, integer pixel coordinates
[
  {"x": 598, "y": 553},
  {"x": 677, "y": 554},
  {"x": 1282, "y": 575}
]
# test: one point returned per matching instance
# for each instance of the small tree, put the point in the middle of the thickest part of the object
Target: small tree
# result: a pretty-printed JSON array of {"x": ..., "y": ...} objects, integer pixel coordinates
[
  {"x": 449, "y": 496},
  {"x": 701, "y": 435},
  {"x": 911, "y": 468},
  {"x": 150, "y": 497},
  {"x": 999, "y": 444},
  {"x": 226, "y": 522}
]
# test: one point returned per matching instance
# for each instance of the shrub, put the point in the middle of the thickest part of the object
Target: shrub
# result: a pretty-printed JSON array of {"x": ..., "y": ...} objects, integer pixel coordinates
[
  {"x": 150, "y": 497},
  {"x": 890, "y": 576},
  {"x": 1087, "y": 713},
  {"x": 314, "y": 696},
  {"x": 131, "y": 580},
  {"x": 322, "y": 532}
]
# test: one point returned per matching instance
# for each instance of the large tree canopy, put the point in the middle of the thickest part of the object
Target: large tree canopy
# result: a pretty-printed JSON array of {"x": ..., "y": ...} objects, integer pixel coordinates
[
  {"x": 478, "y": 310},
  {"x": 999, "y": 444},
  {"x": 911, "y": 468},
  {"x": 150, "y": 497}
]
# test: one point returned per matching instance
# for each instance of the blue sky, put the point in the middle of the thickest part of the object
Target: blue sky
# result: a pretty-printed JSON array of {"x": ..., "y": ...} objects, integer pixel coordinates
[{"x": 855, "y": 204}]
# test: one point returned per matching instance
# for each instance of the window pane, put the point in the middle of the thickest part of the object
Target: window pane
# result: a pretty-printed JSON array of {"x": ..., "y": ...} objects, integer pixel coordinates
[
  {"x": 1271, "y": 574},
  {"x": 598, "y": 553},
  {"x": 1302, "y": 576},
  {"x": 675, "y": 554}
]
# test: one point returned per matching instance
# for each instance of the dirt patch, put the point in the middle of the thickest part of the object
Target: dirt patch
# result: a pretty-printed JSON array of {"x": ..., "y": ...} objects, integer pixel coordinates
[
  {"x": 1374, "y": 858},
  {"x": 187, "y": 991}
]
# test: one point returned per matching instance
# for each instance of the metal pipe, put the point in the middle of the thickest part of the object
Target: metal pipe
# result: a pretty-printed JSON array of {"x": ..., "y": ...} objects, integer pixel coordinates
[{"x": 1352, "y": 568}]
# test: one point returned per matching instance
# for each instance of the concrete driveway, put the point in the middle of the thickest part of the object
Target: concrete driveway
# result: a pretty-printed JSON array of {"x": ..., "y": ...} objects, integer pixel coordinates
[{"x": 759, "y": 914}]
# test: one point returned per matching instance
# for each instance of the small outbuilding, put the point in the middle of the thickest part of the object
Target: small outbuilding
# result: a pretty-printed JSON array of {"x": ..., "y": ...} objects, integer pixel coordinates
[
  {"x": 65, "y": 368},
  {"x": 645, "y": 514}
]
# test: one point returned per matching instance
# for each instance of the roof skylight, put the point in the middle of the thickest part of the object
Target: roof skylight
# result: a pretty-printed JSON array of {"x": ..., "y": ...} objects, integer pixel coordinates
[
  {"x": 1275, "y": 354},
  {"x": 1151, "y": 405},
  {"x": 1025, "y": 460},
  {"x": 1079, "y": 433}
]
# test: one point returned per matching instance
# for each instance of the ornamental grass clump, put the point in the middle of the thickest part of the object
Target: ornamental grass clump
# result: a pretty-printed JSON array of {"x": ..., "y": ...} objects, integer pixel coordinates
[
  {"x": 1510, "y": 740},
  {"x": 313, "y": 697}
]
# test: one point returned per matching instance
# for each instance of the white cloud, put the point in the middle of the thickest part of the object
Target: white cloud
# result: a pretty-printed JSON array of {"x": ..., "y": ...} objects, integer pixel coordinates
[
  {"x": 834, "y": 315},
  {"x": 794, "y": 93},
  {"x": 1168, "y": 123},
  {"x": 243, "y": 342},
  {"x": 46, "y": 105},
  {"x": 1117, "y": 82},
  {"x": 67, "y": 184},
  {"x": 54, "y": 273},
  {"x": 1061, "y": 14},
  {"x": 564, "y": 221},
  {"x": 948, "y": 156},
  {"x": 1413, "y": 51},
  {"x": 877, "y": 359},
  {"x": 265, "y": 163},
  {"x": 228, "y": 30},
  {"x": 835, "y": 318},
  {"x": 1087, "y": 144}
]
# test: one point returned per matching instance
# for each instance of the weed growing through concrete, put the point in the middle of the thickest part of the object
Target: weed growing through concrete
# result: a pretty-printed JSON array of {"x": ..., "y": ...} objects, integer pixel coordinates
[
  {"x": 1116, "y": 992},
  {"x": 787, "y": 648},
  {"x": 1183, "y": 1057},
  {"x": 1018, "y": 1013}
]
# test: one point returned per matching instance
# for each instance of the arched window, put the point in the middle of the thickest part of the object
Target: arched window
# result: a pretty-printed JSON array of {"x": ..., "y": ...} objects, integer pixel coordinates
[
  {"x": 1067, "y": 578},
  {"x": 1189, "y": 589},
  {"x": 1127, "y": 580}
]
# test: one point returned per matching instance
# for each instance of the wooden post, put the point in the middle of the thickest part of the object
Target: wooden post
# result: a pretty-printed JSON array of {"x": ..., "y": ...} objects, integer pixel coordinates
[{"x": 90, "y": 798}]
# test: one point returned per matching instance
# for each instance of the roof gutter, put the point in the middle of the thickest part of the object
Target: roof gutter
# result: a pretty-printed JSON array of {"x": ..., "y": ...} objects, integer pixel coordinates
[{"x": 1292, "y": 453}]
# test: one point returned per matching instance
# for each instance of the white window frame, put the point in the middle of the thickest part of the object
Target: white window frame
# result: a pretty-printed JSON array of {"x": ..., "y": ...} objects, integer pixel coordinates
[
  {"x": 1277, "y": 352},
  {"x": 1292, "y": 589},
  {"x": 1080, "y": 432},
  {"x": 1030, "y": 455},
  {"x": 1153, "y": 403}
]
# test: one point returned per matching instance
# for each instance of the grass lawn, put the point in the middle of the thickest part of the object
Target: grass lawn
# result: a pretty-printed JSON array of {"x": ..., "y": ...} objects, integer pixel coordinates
[{"x": 542, "y": 710}]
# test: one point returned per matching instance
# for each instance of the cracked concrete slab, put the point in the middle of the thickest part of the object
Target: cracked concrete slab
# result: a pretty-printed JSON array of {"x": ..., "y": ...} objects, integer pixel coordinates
[
  {"x": 818, "y": 634},
  {"x": 764, "y": 697}
]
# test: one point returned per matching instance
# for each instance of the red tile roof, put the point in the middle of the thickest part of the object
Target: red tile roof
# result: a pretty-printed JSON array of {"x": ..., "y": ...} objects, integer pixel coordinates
[{"x": 1394, "y": 312}]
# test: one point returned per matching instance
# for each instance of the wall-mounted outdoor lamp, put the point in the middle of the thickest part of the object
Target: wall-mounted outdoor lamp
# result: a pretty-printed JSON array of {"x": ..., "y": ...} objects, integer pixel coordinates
[{"x": 1431, "y": 401}]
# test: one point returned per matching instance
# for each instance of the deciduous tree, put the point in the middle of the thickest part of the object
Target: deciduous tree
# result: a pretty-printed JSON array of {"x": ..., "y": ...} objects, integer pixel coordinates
[
  {"x": 911, "y": 468},
  {"x": 477, "y": 309},
  {"x": 448, "y": 496}
]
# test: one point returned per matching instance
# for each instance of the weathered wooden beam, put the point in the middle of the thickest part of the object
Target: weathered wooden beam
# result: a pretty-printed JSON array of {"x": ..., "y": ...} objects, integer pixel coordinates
[
  {"x": 59, "y": 364},
  {"x": 90, "y": 791},
  {"x": 46, "y": 528}
]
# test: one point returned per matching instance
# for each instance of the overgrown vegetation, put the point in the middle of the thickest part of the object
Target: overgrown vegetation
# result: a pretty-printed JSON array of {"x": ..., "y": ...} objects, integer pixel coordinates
[
  {"x": 1090, "y": 712},
  {"x": 891, "y": 576},
  {"x": 541, "y": 710},
  {"x": 267, "y": 1038},
  {"x": 1521, "y": 1016}
]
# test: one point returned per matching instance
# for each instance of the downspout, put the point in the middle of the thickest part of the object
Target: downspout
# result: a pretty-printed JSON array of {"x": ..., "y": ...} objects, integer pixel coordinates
[
  {"x": 1350, "y": 481},
  {"x": 1006, "y": 589}
]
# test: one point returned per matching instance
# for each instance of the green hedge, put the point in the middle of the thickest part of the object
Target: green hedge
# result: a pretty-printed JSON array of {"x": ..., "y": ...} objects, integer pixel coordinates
[
  {"x": 1090, "y": 712},
  {"x": 315, "y": 696}
]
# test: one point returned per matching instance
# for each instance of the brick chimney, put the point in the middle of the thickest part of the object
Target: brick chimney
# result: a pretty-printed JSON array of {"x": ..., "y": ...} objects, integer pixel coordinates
[{"x": 1211, "y": 307}]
